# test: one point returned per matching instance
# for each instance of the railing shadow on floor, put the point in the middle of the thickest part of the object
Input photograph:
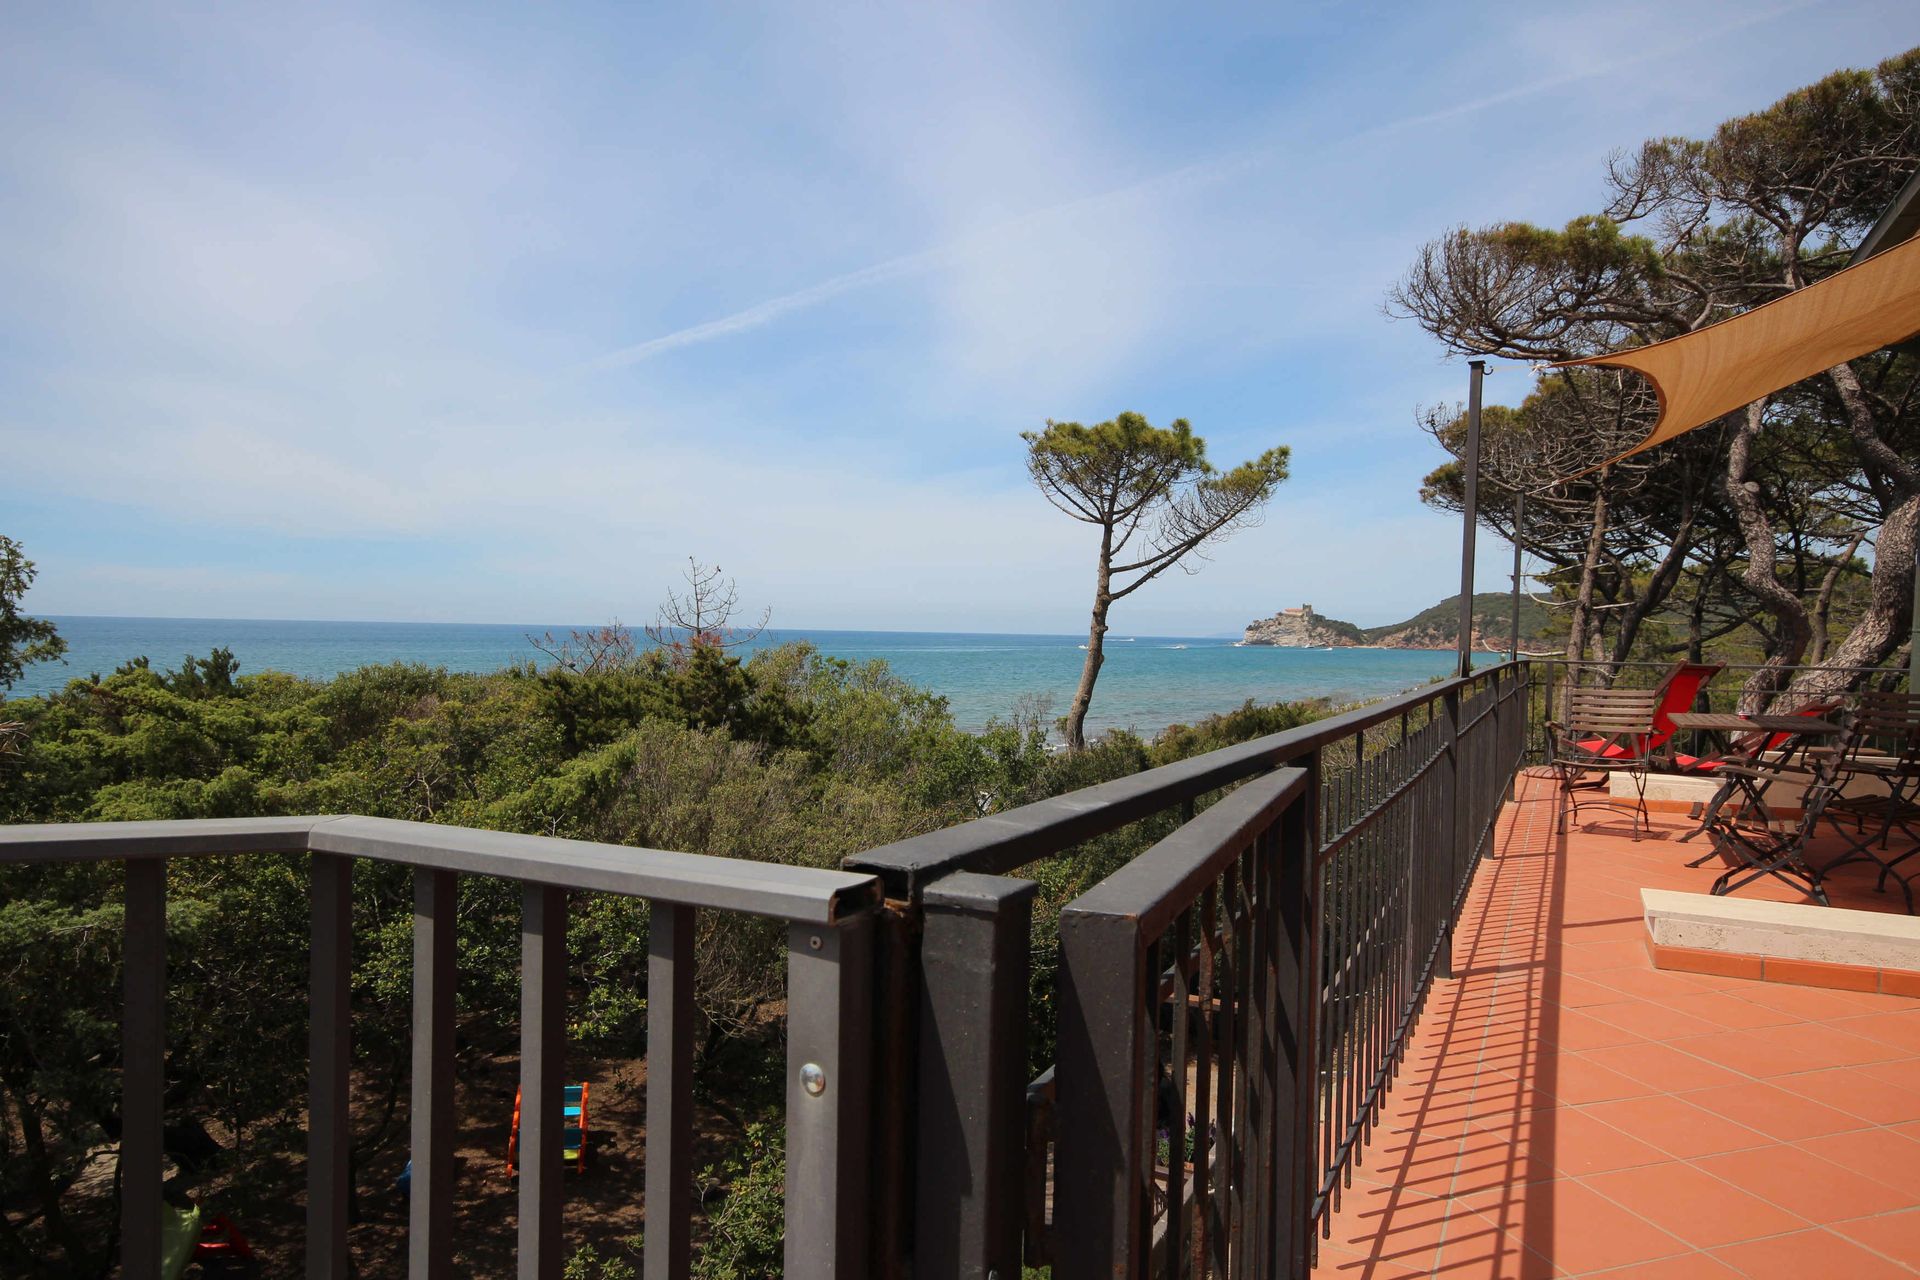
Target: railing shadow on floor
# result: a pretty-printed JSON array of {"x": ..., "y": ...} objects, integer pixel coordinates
[{"x": 1466, "y": 1174}]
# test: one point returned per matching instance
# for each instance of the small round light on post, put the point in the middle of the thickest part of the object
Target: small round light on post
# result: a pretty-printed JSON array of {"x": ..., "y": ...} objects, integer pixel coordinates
[{"x": 813, "y": 1079}]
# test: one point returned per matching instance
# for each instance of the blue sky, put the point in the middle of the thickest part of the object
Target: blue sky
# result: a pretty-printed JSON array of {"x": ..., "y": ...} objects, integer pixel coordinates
[{"x": 416, "y": 313}]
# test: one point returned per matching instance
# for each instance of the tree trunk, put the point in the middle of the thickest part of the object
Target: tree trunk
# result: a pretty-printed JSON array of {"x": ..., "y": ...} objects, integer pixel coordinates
[
  {"x": 1589, "y": 569},
  {"x": 43, "y": 1186},
  {"x": 1076, "y": 724},
  {"x": 1761, "y": 575},
  {"x": 1659, "y": 587},
  {"x": 1888, "y": 620},
  {"x": 1823, "y": 599}
]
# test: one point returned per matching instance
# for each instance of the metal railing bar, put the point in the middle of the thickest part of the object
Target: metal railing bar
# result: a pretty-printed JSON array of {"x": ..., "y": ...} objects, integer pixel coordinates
[
  {"x": 1203, "y": 1056},
  {"x": 1655, "y": 665},
  {"x": 1368, "y": 816},
  {"x": 1246, "y": 1050},
  {"x": 164, "y": 838},
  {"x": 1256, "y": 1238},
  {"x": 829, "y": 1026},
  {"x": 810, "y": 894},
  {"x": 1154, "y": 886},
  {"x": 329, "y": 1064},
  {"x": 1142, "y": 1174},
  {"x": 543, "y": 1043},
  {"x": 430, "y": 1192},
  {"x": 670, "y": 1015},
  {"x": 143, "y": 1072},
  {"x": 1178, "y": 1051},
  {"x": 1338, "y": 1160},
  {"x": 970, "y": 1112}
]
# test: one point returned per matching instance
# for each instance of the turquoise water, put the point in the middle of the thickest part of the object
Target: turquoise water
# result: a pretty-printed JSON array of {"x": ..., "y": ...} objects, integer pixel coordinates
[{"x": 1148, "y": 682}]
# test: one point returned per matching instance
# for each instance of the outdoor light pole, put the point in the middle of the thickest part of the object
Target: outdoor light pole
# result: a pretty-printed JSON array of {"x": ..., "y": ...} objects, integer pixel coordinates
[
  {"x": 1472, "y": 513},
  {"x": 1519, "y": 515},
  {"x": 1913, "y": 626}
]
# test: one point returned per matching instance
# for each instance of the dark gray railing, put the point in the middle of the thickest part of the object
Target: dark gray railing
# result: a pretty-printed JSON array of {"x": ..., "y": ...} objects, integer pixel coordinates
[
  {"x": 1186, "y": 1033},
  {"x": 829, "y": 1037},
  {"x": 1266, "y": 961},
  {"x": 1274, "y": 952}
]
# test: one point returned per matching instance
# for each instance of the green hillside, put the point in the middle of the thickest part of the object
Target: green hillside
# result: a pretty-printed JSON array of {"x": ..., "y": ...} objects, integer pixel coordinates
[{"x": 1492, "y": 616}]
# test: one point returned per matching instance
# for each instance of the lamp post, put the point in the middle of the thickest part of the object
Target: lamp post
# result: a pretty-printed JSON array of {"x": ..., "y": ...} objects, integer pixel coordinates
[{"x": 1472, "y": 512}]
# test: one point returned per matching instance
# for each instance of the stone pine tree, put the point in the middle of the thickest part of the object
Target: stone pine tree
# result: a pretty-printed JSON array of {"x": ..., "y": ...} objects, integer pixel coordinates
[
  {"x": 1156, "y": 501},
  {"x": 23, "y": 640}
]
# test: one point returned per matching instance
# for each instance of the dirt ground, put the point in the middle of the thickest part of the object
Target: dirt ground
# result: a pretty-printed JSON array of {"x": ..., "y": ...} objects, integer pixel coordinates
[{"x": 605, "y": 1201}]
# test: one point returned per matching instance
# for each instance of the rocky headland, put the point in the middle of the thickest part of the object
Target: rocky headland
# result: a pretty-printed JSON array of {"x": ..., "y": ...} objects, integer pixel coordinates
[
  {"x": 1434, "y": 628},
  {"x": 1302, "y": 628}
]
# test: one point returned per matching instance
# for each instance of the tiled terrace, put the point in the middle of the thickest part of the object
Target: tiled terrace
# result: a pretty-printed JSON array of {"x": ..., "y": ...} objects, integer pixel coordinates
[{"x": 1566, "y": 1109}]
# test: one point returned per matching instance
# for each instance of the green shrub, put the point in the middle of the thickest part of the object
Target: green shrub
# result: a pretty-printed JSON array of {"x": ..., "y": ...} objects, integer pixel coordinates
[
  {"x": 589, "y": 1264},
  {"x": 746, "y": 1233}
]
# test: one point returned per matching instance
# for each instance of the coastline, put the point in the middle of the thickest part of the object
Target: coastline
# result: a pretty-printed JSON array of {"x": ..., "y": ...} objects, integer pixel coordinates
[{"x": 1148, "y": 683}]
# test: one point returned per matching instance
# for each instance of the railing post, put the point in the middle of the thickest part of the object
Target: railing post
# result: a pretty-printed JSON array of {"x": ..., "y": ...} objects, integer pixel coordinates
[
  {"x": 1452, "y": 784},
  {"x": 974, "y": 962},
  {"x": 143, "y": 1069},
  {"x": 430, "y": 1190},
  {"x": 543, "y": 1043},
  {"x": 829, "y": 1052},
  {"x": 669, "y": 1236},
  {"x": 1297, "y": 994},
  {"x": 1102, "y": 1153},
  {"x": 329, "y": 1064}
]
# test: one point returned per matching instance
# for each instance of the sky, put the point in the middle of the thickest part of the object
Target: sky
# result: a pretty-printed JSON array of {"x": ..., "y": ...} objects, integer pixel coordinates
[{"x": 448, "y": 314}]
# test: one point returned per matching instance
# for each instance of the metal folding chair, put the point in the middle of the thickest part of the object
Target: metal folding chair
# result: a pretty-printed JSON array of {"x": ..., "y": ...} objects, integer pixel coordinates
[
  {"x": 1744, "y": 830},
  {"x": 1884, "y": 751},
  {"x": 1606, "y": 731}
]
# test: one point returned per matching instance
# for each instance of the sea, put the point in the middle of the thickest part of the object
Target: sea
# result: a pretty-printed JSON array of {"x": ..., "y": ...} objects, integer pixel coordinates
[{"x": 1146, "y": 684}]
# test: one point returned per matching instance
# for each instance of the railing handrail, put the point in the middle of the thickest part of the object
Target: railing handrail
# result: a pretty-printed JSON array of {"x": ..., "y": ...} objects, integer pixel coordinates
[
  {"x": 804, "y": 895},
  {"x": 1658, "y": 665},
  {"x": 1159, "y": 884},
  {"x": 1003, "y": 842}
]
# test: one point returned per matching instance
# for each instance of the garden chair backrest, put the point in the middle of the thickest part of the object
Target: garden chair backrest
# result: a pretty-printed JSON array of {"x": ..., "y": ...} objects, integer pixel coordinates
[{"x": 1618, "y": 718}]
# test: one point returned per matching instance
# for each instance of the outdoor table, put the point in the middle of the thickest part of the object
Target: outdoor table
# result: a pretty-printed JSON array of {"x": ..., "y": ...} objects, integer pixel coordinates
[{"x": 1752, "y": 792}]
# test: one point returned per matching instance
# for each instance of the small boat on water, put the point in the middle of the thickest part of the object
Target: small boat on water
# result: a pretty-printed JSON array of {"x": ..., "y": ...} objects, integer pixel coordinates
[{"x": 1176, "y": 646}]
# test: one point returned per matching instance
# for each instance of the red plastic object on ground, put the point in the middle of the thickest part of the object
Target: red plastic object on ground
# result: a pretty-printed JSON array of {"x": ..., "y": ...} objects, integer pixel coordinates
[
  {"x": 219, "y": 1238},
  {"x": 573, "y": 1129}
]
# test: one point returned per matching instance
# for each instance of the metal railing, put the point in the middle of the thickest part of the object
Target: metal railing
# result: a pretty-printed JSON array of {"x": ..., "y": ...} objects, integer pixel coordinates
[
  {"x": 829, "y": 988},
  {"x": 1265, "y": 962},
  {"x": 1261, "y": 967}
]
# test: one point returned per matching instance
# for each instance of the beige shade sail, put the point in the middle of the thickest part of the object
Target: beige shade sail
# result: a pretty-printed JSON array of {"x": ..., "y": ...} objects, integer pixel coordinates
[{"x": 1702, "y": 375}]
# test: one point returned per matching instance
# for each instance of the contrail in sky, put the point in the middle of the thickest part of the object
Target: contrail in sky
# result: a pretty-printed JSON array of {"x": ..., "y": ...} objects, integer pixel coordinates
[{"x": 913, "y": 264}]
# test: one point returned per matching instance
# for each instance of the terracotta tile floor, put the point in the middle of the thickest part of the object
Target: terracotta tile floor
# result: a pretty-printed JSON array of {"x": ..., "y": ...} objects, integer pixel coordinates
[{"x": 1565, "y": 1109}]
